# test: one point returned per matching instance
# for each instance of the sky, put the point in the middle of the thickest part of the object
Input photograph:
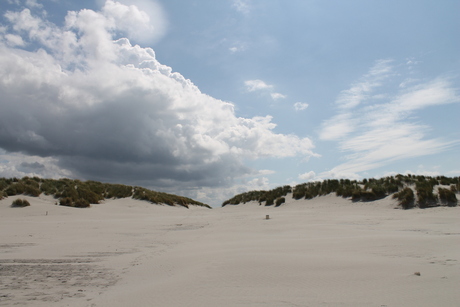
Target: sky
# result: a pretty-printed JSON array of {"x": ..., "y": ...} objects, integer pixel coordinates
[{"x": 208, "y": 99}]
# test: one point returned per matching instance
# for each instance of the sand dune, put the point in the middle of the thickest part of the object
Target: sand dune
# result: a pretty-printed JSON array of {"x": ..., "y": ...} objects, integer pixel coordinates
[{"x": 324, "y": 252}]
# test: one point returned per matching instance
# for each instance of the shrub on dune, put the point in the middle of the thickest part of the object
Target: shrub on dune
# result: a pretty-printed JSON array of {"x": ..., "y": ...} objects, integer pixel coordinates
[
  {"x": 425, "y": 196},
  {"x": 93, "y": 186},
  {"x": 20, "y": 203},
  {"x": 53, "y": 187},
  {"x": 375, "y": 192},
  {"x": 68, "y": 192},
  {"x": 78, "y": 203},
  {"x": 446, "y": 180},
  {"x": 118, "y": 191},
  {"x": 447, "y": 197},
  {"x": 66, "y": 201},
  {"x": 88, "y": 195},
  {"x": 32, "y": 191},
  {"x": 406, "y": 198},
  {"x": 3, "y": 184},
  {"x": 81, "y": 203},
  {"x": 356, "y": 194},
  {"x": 269, "y": 202},
  {"x": 15, "y": 189},
  {"x": 279, "y": 201}
]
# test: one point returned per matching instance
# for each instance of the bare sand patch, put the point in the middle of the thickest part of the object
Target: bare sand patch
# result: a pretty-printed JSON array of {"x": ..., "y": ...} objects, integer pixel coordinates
[{"x": 324, "y": 252}]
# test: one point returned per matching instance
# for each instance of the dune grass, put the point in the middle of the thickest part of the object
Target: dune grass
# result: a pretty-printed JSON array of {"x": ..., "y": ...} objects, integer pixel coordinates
[
  {"x": 406, "y": 198},
  {"x": 402, "y": 187},
  {"x": 20, "y": 203},
  {"x": 81, "y": 194},
  {"x": 447, "y": 196},
  {"x": 269, "y": 197}
]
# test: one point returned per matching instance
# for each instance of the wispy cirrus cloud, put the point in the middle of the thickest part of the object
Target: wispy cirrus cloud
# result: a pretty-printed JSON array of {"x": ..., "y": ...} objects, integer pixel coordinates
[
  {"x": 376, "y": 132},
  {"x": 360, "y": 91},
  {"x": 337, "y": 127}
]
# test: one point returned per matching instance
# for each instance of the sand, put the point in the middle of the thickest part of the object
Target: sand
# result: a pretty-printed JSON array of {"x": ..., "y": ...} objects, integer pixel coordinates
[{"x": 324, "y": 252}]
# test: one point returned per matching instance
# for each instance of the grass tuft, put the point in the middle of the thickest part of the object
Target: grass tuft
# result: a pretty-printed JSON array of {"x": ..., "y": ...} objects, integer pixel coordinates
[{"x": 20, "y": 203}]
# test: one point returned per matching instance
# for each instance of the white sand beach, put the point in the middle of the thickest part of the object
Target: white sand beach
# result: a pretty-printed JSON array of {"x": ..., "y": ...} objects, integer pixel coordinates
[{"x": 324, "y": 252}]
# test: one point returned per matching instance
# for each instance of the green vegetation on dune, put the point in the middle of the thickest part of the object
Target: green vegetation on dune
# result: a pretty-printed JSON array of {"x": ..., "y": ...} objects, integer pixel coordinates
[
  {"x": 406, "y": 198},
  {"x": 447, "y": 196},
  {"x": 425, "y": 196},
  {"x": 20, "y": 203},
  {"x": 402, "y": 187},
  {"x": 81, "y": 194},
  {"x": 269, "y": 197},
  {"x": 164, "y": 198}
]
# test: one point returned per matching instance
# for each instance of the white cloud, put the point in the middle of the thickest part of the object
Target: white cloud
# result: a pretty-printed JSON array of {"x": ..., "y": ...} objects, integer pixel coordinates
[
  {"x": 33, "y": 4},
  {"x": 433, "y": 171},
  {"x": 142, "y": 21},
  {"x": 436, "y": 92},
  {"x": 424, "y": 172},
  {"x": 210, "y": 195},
  {"x": 453, "y": 173},
  {"x": 340, "y": 173},
  {"x": 100, "y": 108},
  {"x": 259, "y": 85},
  {"x": 276, "y": 96},
  {"x": 308, "y": 176},
  {"x": 300, "y": 106},
  {"x": 19, "y": 165},
  {"x": 381, "y": 132},
  {"x": 242, "y": 6},
  {"x": 238, "y": 47},
  {"x": 14, "y": 40},
  {"x": 256, "y": 85},
  {"x": 266, "y": 172}
]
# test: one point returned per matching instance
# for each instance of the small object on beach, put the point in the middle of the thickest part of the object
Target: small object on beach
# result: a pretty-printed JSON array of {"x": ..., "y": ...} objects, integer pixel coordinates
[
  {"x": 267, "y": 217},
  {"x": 417, "y": 273},
  {"x": 46, "y": 212}
]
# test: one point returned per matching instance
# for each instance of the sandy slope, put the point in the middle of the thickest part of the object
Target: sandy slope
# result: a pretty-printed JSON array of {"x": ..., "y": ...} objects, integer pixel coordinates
[{"x": 323, "y": 252}]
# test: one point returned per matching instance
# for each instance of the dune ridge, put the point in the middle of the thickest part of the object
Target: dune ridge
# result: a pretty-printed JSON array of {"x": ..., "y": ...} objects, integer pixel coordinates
[
  {"x": 410, "y": 190},
  {"x": 324, "y": 251},
  {"x": 81, "y": 194}
]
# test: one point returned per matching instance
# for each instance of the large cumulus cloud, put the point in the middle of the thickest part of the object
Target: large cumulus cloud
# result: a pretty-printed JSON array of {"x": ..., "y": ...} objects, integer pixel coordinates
[{"x": 104, "y": 109}]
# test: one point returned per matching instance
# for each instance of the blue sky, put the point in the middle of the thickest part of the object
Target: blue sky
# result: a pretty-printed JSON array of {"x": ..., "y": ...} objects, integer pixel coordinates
[{"x": 212, "y": 98}]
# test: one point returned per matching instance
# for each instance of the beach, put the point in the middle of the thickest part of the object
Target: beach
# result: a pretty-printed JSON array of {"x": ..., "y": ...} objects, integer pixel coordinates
[{"x": 328, "y": 251}]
